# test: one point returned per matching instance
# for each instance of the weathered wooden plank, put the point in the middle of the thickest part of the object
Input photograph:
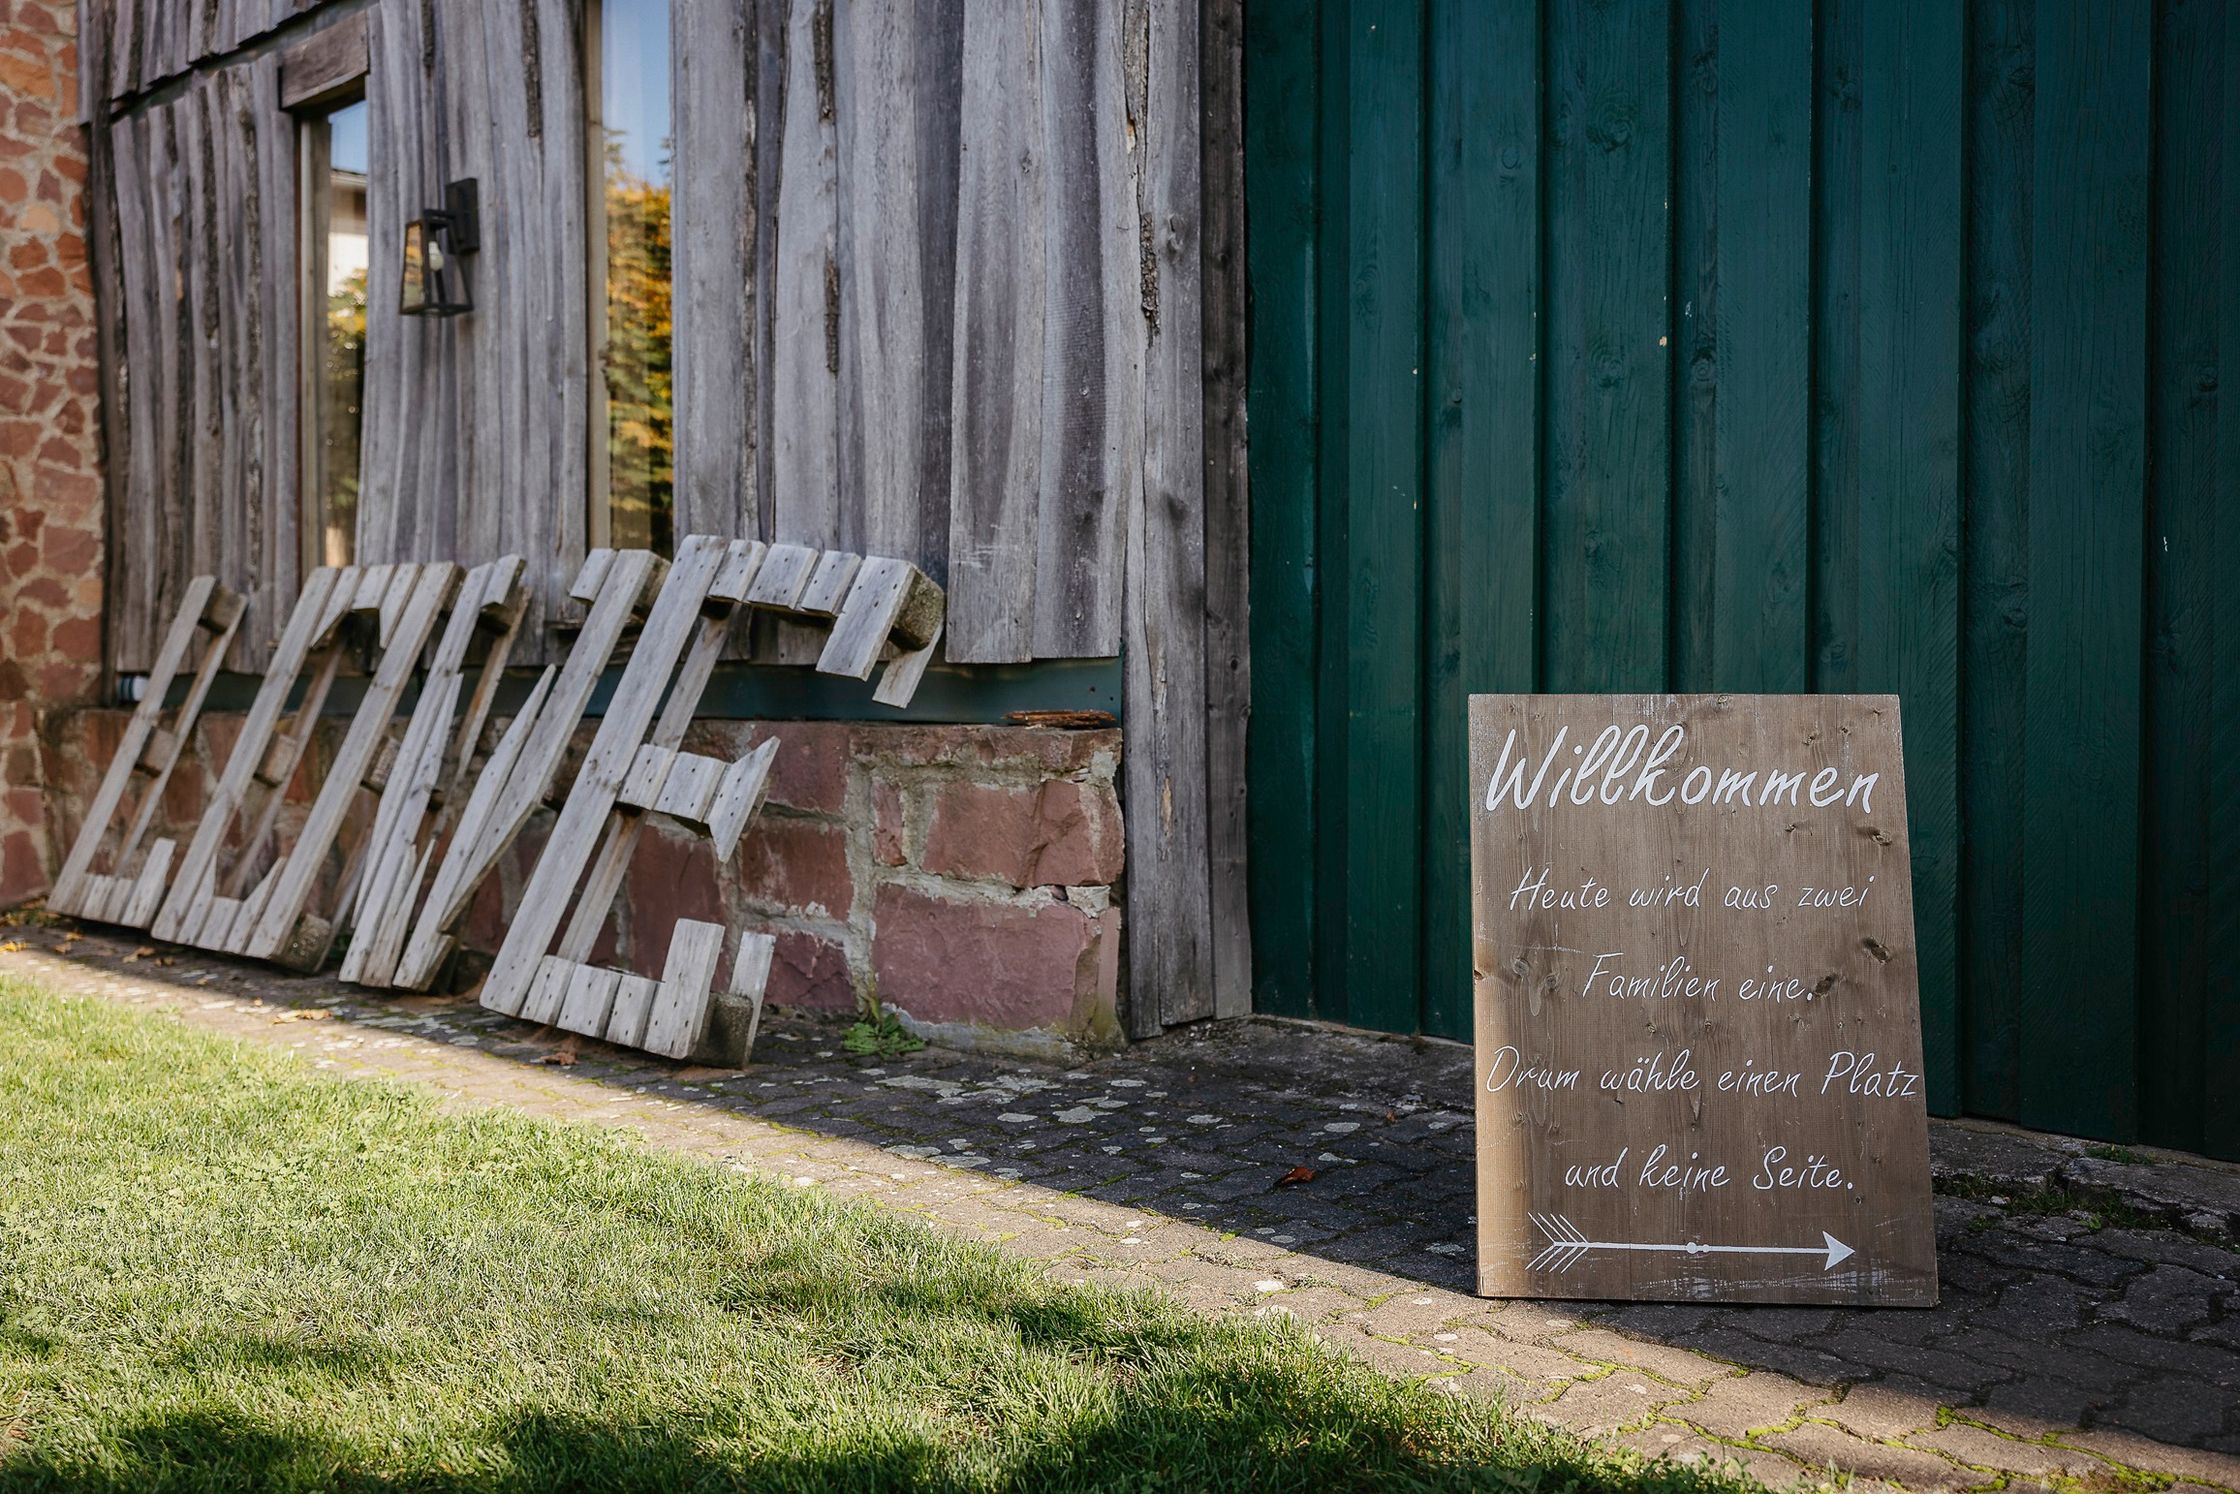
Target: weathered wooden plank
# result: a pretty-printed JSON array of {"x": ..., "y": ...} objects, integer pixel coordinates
[
  {"x": 590, "y": 997},
  {"x": 1226, "y": 310},
  {"x": 738, "y": 798},
  {"x": 1170, "y": 957},
  {"x": 198, "y": 865},
  {"x": 2087, "y": 384},
  {"x": 196, "y": 625},
  {"x": 1092, "y": 359},
  {"x": 716, "y": 298},
  {"x": 895, "y": 100},
  {"x": 828, "y": 585},
  {"x": 634, "y": 996},
  {"x": 431, "y": 589},
  {"x": 804, "y": 284},
  {"x": 899, "y": 681},
  {"x": 502, "y": 802},
  {"x": 1000, "y": 300},
  {"x": 1912, "y": 240},
  {"x": 890, "y": 598},
  {"x": 549, "y": 990},
  {"x": 785, "y": 572},
  {"x": 680, "y": 1006},
  {"x": 324, "y": 63},
  {"x": 650, "y": 766},
  {"x": 668, "y": 629},
  {"x": 690, "y": 789},
  {"x": 397, "y": 861},
  {"x": 1281, "y": 147},
  {"x": 1481, "y": 453}
]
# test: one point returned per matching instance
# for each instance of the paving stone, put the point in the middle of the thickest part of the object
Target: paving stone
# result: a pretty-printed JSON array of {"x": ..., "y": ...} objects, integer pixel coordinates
[
  {"x": 1529, "y": 1361},
  {"x": 1616, "y": 1401},
  {"x": 1880, "y": 1412},
  {"x": 1733, "y": 1409},
  {"x": 1821, "y": 1446},
  {"x": 2147, "y": 1455},
  {"x": 2167, "y": 1300},
  {"x": 1974, "y": 1445},
  {"x": 1676, "y": 1365}
]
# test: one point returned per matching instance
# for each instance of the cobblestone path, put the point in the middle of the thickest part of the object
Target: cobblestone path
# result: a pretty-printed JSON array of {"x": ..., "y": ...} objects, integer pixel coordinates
[{"x": 2089, "y": 1331}]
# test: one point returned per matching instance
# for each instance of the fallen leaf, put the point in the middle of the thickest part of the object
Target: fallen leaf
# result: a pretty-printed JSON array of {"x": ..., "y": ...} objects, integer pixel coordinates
[
  {"x": 305, "y": 1014},
  {"x": 562, "y": 1057},
  {"x": 12, "y": 946},
  {"x": 167, "y": 960},
  {"x": 143, "y": 952},
  {"x": 1296, "y": 1175}
]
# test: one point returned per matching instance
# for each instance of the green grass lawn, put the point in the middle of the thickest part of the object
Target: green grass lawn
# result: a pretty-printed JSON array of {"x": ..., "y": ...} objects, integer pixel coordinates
[{"x": 220, "y": 1271}]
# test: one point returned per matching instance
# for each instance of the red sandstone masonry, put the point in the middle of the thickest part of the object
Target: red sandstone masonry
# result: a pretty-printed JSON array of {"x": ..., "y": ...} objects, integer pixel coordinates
[
  {"x": 964, "y": 875},
  {"x": 50, "y": 484}
]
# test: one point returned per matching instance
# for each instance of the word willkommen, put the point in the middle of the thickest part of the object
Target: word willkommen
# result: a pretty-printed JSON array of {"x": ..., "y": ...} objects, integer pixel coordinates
[{"x": 1621, "y": 765}]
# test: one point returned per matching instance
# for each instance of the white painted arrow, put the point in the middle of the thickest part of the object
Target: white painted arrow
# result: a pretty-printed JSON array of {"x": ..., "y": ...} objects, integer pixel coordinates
[{"x": 1566, "y": 1245}]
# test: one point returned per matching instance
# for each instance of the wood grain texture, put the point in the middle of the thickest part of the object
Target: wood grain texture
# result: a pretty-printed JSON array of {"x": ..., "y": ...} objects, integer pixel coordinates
[
  {"x": 1226, "y": 306},
  {"x": 1171, "y": 955},
  {"x": 804, "y": 301},
  {"x": 328, "y": 61},
  {"x": 896, "y": 102},
  {"x": 715, "y": 298},
  {"x": 1610, "y": 1088},
  {"x": 670, "y": 627}
]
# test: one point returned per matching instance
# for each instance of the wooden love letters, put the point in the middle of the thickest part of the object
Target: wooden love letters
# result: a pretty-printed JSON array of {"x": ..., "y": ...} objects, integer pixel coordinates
[
  {"x": 447, "y": 804},
  {"x": 1697, "y": 1006}
]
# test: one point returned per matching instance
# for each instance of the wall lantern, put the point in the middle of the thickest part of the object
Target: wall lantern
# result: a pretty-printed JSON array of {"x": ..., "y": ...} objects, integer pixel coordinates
[{"x": 435, "y": 282}]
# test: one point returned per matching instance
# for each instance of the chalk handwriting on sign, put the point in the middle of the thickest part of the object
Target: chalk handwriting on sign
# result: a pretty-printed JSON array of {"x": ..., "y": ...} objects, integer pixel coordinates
[{"x": 1698, "y": 1014}]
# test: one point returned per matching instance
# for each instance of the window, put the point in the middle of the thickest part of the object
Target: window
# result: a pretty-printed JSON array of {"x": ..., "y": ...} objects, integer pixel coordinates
[
  {"x": 632, "y": 461},
  {"x": 334, "y": 261}
]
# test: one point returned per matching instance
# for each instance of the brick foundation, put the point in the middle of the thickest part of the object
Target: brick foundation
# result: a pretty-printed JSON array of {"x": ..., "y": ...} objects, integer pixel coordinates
[
  {"x": 50, "y": 485},
  {"x": 966, "y": 876}
]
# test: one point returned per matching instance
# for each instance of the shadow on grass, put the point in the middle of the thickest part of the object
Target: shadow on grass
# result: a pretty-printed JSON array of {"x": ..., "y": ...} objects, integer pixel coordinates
[{"x": 200, "y": 1450}]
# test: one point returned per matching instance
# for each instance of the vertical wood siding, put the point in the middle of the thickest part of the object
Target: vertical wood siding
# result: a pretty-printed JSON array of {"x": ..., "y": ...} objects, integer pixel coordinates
[
  {"x": 938, "y": 293},
  {"x": 919, "y": 264},
  {"x": 1724, "y": 345}
]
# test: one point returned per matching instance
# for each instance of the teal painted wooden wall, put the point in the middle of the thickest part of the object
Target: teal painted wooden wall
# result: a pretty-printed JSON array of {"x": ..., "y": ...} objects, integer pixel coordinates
[{"x": 1763, "y": 346}]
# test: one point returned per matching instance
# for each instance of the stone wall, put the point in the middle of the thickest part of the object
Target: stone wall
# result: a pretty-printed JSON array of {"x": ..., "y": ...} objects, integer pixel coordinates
[
  {"x": 50, "y": 484},
  {"x": 966, "y": 876}
]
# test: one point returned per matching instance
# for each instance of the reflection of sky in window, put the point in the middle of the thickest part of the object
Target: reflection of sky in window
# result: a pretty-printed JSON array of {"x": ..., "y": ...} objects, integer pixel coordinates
[
  {"x": 634, "y": 83},
  {"x": 346, "y": 136}
]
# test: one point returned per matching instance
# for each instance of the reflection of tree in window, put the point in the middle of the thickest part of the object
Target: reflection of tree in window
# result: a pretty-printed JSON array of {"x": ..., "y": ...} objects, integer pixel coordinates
[
  {"x": 634, "y": 161},
  {"x": 640, "y": 460},
  {"x": 340, "y": 419},
  {"x": 335, "y": 317}
]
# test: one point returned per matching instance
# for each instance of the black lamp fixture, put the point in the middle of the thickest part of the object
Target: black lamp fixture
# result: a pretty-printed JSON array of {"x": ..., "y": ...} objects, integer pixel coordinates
[{"x": 435, "y": 283}]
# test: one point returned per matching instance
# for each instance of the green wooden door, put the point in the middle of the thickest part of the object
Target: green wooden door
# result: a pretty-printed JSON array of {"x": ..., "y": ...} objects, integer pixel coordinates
[{"x": 1749, "y": 345}]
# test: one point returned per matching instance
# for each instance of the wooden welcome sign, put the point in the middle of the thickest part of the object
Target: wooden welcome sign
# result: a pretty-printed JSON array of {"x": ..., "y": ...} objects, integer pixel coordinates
[{"x": 1698, "y": 1019}]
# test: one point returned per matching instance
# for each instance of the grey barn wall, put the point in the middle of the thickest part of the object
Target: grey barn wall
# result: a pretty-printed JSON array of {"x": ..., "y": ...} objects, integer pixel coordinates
[{"x": 945, "y": 276}]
